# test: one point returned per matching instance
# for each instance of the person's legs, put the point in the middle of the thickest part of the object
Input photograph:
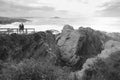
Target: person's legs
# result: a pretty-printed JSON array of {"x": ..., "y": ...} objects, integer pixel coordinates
[{"x": 20, "y": 31}]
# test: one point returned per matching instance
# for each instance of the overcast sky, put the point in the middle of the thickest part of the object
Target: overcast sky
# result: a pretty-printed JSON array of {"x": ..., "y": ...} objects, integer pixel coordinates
[{"x": 62, "y": 8}]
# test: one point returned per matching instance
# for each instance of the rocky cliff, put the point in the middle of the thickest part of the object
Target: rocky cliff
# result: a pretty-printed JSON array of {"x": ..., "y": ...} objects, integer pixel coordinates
[
  {"x": 78, "y": 45},
  {"x": 104, "y": 66},
  {"x": 73, "y": 54}
]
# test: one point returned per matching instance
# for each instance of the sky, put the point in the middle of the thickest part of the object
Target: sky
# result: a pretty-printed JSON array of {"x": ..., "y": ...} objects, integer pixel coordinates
[
  {"x": 98, "y": 14},
  {"x": 61, "y": 8}
]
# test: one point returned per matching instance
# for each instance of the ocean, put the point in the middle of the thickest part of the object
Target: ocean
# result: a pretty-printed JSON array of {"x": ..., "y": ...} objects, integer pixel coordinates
[{"x": 108, "y": 24}]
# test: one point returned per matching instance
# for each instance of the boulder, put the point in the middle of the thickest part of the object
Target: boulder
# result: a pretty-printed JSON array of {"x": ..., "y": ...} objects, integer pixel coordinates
[
  {"x": 78, "y": 45},
  {"x": 105, "y": 66},
  {"x": 68, "y": 43},
  {"x": 114, "y": 36},
  {"x": 111, "y": 43}
]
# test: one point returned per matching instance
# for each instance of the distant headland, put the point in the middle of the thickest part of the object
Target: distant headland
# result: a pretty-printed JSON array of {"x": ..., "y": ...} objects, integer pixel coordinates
[
  {"x": 9, "y": 20},
  {"x": 56, "y": 17}
]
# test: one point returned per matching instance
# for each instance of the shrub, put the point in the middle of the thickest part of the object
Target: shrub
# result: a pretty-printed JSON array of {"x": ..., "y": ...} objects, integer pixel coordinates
[
  {"x": 101, "y": 70},
  {"x": 34, "y": 70}
]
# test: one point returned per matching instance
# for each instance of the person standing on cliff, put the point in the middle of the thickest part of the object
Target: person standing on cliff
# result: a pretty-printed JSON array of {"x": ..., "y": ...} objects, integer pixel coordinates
[{"x": 21, "y": 28}]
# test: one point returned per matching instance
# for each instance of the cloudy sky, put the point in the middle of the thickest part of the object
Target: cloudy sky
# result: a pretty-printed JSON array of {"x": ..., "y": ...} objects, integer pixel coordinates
[{"x": 62, "y": 8}]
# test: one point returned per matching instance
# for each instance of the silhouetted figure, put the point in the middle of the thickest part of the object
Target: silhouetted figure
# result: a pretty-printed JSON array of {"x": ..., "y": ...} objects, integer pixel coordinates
[{"x": 21, "y": 28}]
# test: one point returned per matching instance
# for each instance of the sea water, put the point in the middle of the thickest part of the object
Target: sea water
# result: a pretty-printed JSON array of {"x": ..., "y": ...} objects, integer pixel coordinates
[{"x": 109, "y": 24}]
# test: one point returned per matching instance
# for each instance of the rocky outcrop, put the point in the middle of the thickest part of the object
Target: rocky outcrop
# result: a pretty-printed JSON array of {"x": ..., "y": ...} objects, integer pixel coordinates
[
  {"x": 114, "y": 36},
  {"x": 111, "y": 43},
  {"x": 68, "y": 43},
  {"x": 78, "y": 45},
  {"x": 85, "y": 53},
  {"x": 105, "y": 66}
]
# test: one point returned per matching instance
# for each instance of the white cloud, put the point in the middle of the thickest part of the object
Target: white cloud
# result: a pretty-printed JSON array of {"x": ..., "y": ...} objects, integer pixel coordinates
[
  {"x": 74, "y": 7},
  {"x": 112, "y": 9}
]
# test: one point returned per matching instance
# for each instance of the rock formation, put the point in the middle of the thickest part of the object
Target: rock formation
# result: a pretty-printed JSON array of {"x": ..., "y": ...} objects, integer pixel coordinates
[
  {"x": 111, "y": 43},
  {"x": 68, "y": 43},
  {"x": 105, "y": 66},
  {"x": 82, "y": 54},
  {"x": 78, "y": 45},
  {"x": 115, "y": 36}
]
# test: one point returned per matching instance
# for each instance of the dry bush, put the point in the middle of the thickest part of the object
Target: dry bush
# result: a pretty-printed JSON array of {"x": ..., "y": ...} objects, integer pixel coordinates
[{"x": 33, "y": 70}]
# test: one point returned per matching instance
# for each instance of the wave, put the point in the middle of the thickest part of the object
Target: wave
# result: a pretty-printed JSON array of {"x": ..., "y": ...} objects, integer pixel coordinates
[{"x": 42, "y": 24}]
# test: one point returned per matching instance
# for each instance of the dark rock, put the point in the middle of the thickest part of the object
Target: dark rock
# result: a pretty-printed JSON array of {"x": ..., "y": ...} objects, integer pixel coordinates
[
  {"x": 111, "y": 43},
  {"x": 114, "y": 36},
  {"x": 105, "y": 66},
  {"x": 78, "y": 45}
]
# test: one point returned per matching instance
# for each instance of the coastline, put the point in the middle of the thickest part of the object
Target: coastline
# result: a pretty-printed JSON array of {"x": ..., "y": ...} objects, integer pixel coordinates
[
  {"x": 43, "y": 24},
  {"x": 8, "y": 20}
]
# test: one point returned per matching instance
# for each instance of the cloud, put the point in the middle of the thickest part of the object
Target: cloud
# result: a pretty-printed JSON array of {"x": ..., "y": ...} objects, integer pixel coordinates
[
  {"x": 112, "y": 9},
  {"x": 24, "y": 6},
  {"x": 70, "y": 8},
  {"x": 11, "y": 9}
]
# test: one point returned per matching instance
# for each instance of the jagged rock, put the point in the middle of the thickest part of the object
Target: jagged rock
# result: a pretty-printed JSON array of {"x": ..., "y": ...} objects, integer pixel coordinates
[
  {"x": 68, "y": 43},
  {"x": 115, "y": 36},
  {"x": 111, "y": 47},
  {"x": 78, "y": 45},
  {"x": 111, "y": 43},
  {"x": 103, "y": 66}
]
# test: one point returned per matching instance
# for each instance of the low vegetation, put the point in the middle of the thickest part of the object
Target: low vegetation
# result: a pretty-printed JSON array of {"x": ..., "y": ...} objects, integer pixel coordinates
[
  {"x": 38, "y": 56},
  {"x": 31, "y": 69}
]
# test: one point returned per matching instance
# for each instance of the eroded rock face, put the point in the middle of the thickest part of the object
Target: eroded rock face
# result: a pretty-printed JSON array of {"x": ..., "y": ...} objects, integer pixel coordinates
[
  {"x": 68, "y": 43},
  {"x": 78, "y": 45},
  {"x": 104, "y": 66},
  {"x": 110, "y": 48},
  {"x": 115, "y": 36},
  {"x": 111, "y": 43}
]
